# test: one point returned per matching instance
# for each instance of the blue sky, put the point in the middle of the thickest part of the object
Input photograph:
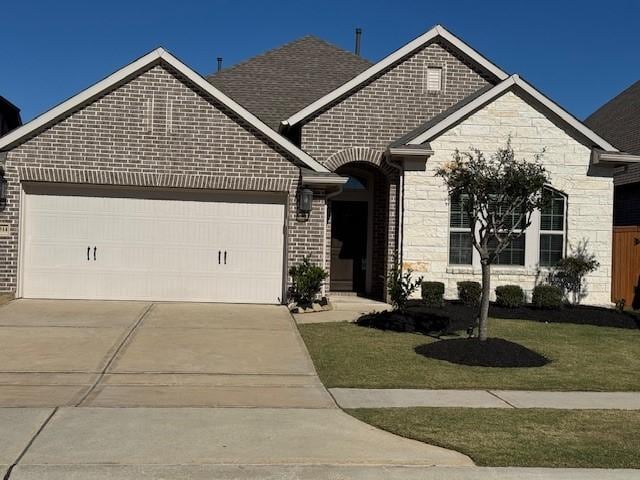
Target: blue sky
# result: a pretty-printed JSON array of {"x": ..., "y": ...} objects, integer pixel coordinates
[{"x": 580, "y": 53}]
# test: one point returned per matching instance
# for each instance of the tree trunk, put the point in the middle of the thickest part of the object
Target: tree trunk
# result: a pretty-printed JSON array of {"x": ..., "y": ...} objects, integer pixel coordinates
[{"x": 484, "y": 302}]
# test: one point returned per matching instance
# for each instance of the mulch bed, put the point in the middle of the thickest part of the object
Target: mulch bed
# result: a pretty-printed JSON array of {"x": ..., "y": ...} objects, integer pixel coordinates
[
  {"x": 493, "y": 352},
  {"x": 461, "y": 316},
  {"x": 455, "y": 317}
]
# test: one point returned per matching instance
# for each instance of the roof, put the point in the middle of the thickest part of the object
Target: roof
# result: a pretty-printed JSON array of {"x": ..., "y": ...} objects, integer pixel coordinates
[
  {"x": 152, "y": 58},
  {"x": 466, "y": 107},
  {"x": 437, "y": 32},
  {"x": 278, "y": 83},
  {"x": 618, "y": 120}
]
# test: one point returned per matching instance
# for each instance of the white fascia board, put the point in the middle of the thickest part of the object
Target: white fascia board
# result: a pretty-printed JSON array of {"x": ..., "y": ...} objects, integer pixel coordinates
[
  {"x": 73, "y": 102},
  {"x": 389, "y": 60},
  {"x": 140, "y": 64},
  {"x": 513, "y": 80},
  {"x": 329, "y": 180},
  {"x": 464, "y": 111},
  {"x": 613, "y": 159},
  {"x": 565, "y": 116}
]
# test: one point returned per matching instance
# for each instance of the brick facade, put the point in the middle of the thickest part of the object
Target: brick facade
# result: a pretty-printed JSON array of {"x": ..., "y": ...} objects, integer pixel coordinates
[
  {"x": 157, "y": 130},
  {"x": 589, "y": 196}
]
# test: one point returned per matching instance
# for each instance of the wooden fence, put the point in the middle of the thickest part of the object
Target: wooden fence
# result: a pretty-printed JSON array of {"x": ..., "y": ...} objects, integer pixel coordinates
[{"x": 625, "y": 280}]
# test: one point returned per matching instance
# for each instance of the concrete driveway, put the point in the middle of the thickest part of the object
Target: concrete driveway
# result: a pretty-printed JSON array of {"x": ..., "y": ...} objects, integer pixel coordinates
[
  {"x": 157, "y": 389},
  {"x": 134, "y": 354}
]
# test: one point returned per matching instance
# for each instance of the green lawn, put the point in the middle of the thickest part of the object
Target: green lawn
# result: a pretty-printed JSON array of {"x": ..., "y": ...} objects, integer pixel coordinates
[
  {"x": 526, "y": 438},
  {"x": 583, "y": 357}
]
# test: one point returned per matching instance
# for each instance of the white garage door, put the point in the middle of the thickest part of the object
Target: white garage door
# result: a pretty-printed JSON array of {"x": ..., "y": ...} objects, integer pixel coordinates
[{"x": 161, "y": 247}]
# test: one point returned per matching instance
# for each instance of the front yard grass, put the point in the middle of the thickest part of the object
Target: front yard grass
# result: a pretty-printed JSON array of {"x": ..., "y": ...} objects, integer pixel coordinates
[
  {"x": 524, "y": 438},
  {"x": 583, "y": 357}
]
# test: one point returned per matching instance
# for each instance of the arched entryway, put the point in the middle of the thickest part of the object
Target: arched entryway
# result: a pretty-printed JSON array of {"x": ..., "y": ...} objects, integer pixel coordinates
[{"x": 360, "y": 231}]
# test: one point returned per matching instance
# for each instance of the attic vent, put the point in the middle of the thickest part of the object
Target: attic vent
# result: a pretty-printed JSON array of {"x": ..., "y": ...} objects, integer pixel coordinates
[{"x": 434, "y": 79}]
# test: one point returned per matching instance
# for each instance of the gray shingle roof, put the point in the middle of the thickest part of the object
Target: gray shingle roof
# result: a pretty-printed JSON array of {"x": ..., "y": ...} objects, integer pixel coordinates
[
  {"x": 618, "y": 120},
  {"x": 278, "y": 83}
]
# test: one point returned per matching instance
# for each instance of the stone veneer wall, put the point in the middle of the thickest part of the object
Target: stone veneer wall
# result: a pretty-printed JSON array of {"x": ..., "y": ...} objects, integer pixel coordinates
[
  {"x": 204, "y": 146},
  {"x": 590, "y": 195}
]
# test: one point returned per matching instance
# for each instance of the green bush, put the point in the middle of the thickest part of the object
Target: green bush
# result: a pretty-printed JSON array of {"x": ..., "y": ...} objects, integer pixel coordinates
[
  {"x": 433, "y": 293},
  {"x": 547, "y": 296},
  {"x": 306, "y": 281},
  {"x": 509, "y": 296},
  {"x": 570, "y": 272},
  {"x": 469, "y": 292}
]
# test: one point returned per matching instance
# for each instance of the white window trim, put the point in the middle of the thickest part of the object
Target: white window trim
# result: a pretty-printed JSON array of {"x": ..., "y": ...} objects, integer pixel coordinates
[{"x": 531, "y": 246}]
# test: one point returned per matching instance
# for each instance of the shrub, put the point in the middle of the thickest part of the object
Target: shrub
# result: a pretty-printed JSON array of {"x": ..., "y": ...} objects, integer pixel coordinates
[
  {"x": 432, "y": 293},
  {"x": 400, "y": 286},
  {"x": 469, "y": 293},
  {"x": 509, "y": 296},
  {"x": 569, "y": 273},
  {"x": 306, "y": 281},
  {"x": 547, "y": 296}
]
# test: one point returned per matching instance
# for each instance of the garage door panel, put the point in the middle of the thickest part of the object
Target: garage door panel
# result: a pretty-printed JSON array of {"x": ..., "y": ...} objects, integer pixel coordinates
[{"x": 153, "y": 248}]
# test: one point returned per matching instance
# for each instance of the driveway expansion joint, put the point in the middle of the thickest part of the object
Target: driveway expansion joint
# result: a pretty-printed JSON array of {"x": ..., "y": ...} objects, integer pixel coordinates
[{"x": 117, "y": 350}]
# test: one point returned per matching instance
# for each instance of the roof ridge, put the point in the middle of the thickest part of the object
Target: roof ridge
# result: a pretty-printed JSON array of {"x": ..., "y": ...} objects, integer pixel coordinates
[{"x": 280, "y": 47}]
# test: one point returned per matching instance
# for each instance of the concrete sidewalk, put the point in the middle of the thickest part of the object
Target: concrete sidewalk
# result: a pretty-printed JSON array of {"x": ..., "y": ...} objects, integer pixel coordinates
[
  {"x": 389, "y": 398},
  {"x": 309, "y": 472}
]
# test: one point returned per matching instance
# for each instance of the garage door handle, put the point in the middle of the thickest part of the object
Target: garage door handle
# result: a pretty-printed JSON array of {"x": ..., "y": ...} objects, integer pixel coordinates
[
  {"x": 88, "y": 251},
  {"x": 225, "y": 257},
  {"x": 219, "y": 254},
  {"x": 94, "y": 253}
]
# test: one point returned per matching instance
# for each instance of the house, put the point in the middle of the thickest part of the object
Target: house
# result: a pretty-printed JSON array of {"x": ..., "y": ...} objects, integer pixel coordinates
[
  {"x": 156, "y": 183},
  {"x": 618, "y": 121},
  {"x": 9, "y": 116}
]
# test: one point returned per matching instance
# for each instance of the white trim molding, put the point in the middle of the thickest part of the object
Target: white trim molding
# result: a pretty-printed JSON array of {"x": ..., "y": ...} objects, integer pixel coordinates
[
  {"x": 158, "y": 55},
  {"x": 388, "y": 61},
  {"x": 490, "y": 95}
]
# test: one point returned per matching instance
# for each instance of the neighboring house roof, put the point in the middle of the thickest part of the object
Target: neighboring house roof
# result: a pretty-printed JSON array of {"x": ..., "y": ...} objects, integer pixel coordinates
[
  {"x": 278, "y": 83},
  {"x": 9, "y": 116},
  {"x": 618, "y": 120},
  {"x": 437, "y": 32},
  {"x": 156, "y": 56},
  {"x": 434, "y": 127}
]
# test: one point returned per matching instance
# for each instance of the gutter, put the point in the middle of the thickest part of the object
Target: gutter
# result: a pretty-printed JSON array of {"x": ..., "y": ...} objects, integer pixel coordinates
[{"x": 613, "y": 159}]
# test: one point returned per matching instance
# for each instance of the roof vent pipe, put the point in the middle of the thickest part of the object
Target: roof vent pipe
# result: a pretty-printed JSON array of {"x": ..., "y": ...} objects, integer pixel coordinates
[
  {"x": 358, "y": 37},
  {"x": 219, "y": 63}
]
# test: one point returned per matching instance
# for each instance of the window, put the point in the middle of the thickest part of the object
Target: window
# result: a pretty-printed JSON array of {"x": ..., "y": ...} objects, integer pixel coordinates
[
  {"x": 460, "y": 246},
  {"x": 513, "y": 254},
  {"x": 552, "y": 228},
  {"x": 434, "y": 79}
]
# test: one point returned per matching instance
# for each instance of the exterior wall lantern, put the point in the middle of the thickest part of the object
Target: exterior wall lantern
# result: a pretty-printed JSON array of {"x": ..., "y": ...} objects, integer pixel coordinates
[
  {"x": 305, "y": 204},
  {"x": 3, "y": 189}
]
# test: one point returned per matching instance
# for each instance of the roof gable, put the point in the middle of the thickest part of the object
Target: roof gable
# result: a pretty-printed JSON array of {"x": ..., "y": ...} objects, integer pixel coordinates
[
  {"x": 278, "y": 83},
  {"x": 462, "y": 110},
  {"x": 126, "y": 73},
  {"x": 436, "y": 33}
]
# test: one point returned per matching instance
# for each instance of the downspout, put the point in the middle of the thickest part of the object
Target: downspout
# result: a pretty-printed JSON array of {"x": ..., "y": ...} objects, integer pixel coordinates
[
  {"x": 400, "y": 232},
  {"x": 324, "y": 234}
]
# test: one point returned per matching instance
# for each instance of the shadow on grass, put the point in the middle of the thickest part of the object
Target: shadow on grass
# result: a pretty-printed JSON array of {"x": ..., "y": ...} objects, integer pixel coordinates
[{"x": 494, "y": 352}]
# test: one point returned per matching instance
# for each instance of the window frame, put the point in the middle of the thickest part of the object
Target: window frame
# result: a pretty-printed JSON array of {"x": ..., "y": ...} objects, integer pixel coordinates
[
  {"x": 458, "y": 230},
  {"x": 562, "y": 233}
]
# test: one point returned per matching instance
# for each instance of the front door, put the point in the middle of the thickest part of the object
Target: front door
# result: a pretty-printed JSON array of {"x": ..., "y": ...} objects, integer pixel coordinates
[{"x": 348, "y": 246}]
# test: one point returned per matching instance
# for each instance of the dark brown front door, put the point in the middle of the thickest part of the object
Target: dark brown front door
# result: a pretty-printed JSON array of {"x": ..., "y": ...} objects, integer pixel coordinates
[{"x": 348, "y": 246}]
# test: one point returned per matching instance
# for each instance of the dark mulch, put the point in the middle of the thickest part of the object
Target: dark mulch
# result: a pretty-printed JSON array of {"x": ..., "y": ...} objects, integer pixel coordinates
[
  {"x": 461, "y": 316},
  {"x": 494, "y": 352}
]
